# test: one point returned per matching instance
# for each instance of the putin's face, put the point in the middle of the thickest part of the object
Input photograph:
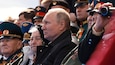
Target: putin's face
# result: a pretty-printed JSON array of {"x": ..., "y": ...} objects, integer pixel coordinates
[{"x": 51, "y": 27}]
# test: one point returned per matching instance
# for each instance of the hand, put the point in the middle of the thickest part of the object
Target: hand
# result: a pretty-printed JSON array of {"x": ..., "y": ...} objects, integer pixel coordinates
[
  {"x": 108, "y": 4},
  {"x": 100, "y": 21}
]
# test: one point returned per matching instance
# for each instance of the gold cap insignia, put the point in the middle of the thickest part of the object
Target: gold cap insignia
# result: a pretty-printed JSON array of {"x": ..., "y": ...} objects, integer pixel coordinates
[
  {"x": 25, "y": 24},
  {"x": 6, "y": 32},
  {"x": 26, "y": 35},
  {"x": 38, "y": 9},
  {"x": 54, "y": 3}
]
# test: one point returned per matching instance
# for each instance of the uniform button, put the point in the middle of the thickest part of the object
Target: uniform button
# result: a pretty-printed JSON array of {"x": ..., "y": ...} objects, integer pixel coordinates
[
  {"x": 40, "y": 50},
  {"x": 89, "y": 42},
  {"x": 46, "y": 45}
]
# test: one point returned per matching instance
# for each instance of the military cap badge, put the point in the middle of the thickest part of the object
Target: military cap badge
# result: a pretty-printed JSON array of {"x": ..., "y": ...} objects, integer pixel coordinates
[
  {"x": 54, "y": 3},
  {"x": 38, "y": 8},
  {"x": 5, "y": 32}
]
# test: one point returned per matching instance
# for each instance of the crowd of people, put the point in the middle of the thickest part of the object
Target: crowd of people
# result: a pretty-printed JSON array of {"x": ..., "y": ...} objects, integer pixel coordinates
[{"x": 60, "y": 32}]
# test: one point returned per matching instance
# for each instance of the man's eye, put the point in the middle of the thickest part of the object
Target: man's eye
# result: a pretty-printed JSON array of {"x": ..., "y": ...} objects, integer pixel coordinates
[
  {"x": 4, "y": 40},
  {"x": 35, "y": 38},
  {"x": 46, "y": 22}
]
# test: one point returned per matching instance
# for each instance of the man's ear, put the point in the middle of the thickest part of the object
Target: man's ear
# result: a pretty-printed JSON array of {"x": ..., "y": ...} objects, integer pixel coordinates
[
  {"x": 62, "y": 25},
  {"x": 19, "y": 43}
]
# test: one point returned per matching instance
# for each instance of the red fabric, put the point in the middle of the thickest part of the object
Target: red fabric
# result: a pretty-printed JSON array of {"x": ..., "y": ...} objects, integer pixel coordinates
[
  {"x": 104, "y": 53},
  {"x": 40, "y": 14},
  {"x": 0, "y": 32}
]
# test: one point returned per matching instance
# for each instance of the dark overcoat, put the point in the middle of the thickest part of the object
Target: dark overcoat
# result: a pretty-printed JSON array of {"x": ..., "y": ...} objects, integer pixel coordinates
[{"x": 54, "y": 52}]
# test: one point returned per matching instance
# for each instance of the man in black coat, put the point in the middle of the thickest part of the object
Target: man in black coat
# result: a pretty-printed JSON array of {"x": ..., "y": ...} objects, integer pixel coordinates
[{"x": 56, "y": 27}]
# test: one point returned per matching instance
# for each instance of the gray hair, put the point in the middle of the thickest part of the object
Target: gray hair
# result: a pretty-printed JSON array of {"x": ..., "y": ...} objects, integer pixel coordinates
[{"x": 61, "y": 14}]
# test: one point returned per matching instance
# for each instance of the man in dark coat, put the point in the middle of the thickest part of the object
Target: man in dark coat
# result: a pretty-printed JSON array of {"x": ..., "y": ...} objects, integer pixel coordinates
[{"x": 56, "y": 27}]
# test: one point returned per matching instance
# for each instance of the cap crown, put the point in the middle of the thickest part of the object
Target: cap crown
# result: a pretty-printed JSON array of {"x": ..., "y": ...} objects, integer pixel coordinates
[{"x": 11, "y": 30}]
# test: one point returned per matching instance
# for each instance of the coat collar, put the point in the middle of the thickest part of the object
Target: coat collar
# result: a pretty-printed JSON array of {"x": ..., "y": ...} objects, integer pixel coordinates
[{"x": 65, "y": 34}]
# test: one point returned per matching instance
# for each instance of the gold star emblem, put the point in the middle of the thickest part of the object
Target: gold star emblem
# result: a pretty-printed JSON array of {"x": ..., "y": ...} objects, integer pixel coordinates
[
  {"x": 25, "y": 24},
  {"x": 54, "y": 3},
  {"x": 26, "y": 35},
  {"x": 38, "y": 9},
  {"x": 6, "y": 32}
]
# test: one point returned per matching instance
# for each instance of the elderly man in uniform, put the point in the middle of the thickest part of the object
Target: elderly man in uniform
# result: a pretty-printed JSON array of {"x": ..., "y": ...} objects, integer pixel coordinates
[{"x": 11, "y": 43}]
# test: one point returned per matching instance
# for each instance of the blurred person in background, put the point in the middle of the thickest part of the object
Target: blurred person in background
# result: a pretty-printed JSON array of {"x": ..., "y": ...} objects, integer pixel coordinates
[
  {"x": 10, "y": 19},
  {"x": 81, "y": 14},
  {"x": 25, "y": 27},
  {"x": 40, "y": 13},
  {"x": 26, "y": 16},
  {"x": 104, "y": 52},
  {"x": 46, "y": 3},
  {"x": 100, "y": 53}
]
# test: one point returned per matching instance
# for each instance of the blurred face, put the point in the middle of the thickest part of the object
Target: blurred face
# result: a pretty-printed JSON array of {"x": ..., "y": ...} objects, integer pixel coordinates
[
  {"x": 9, "y": 46},
  {"x": 51, "y": 27},
  {"x": 73, "y": 17},
  {"x": 35, "y": 40},
  {"x": 21, "y": 20},
  {"x": 81, "y": 12},
  {"x": 37, "y": 21}
]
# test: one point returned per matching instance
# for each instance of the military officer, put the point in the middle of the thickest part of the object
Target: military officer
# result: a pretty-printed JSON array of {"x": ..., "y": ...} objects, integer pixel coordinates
[
  {"x": 40, "y": 13},
  {"x": 11, "y": 43},
  {"x": 81, "y": 14}
]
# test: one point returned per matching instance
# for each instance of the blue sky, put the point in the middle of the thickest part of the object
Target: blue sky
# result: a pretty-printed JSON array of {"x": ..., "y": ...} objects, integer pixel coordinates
[{"x": 14, "y": 7}]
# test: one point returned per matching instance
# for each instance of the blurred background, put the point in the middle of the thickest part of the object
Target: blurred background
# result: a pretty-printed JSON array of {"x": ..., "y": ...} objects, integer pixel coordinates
[{"x": 12, "y": 8}]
